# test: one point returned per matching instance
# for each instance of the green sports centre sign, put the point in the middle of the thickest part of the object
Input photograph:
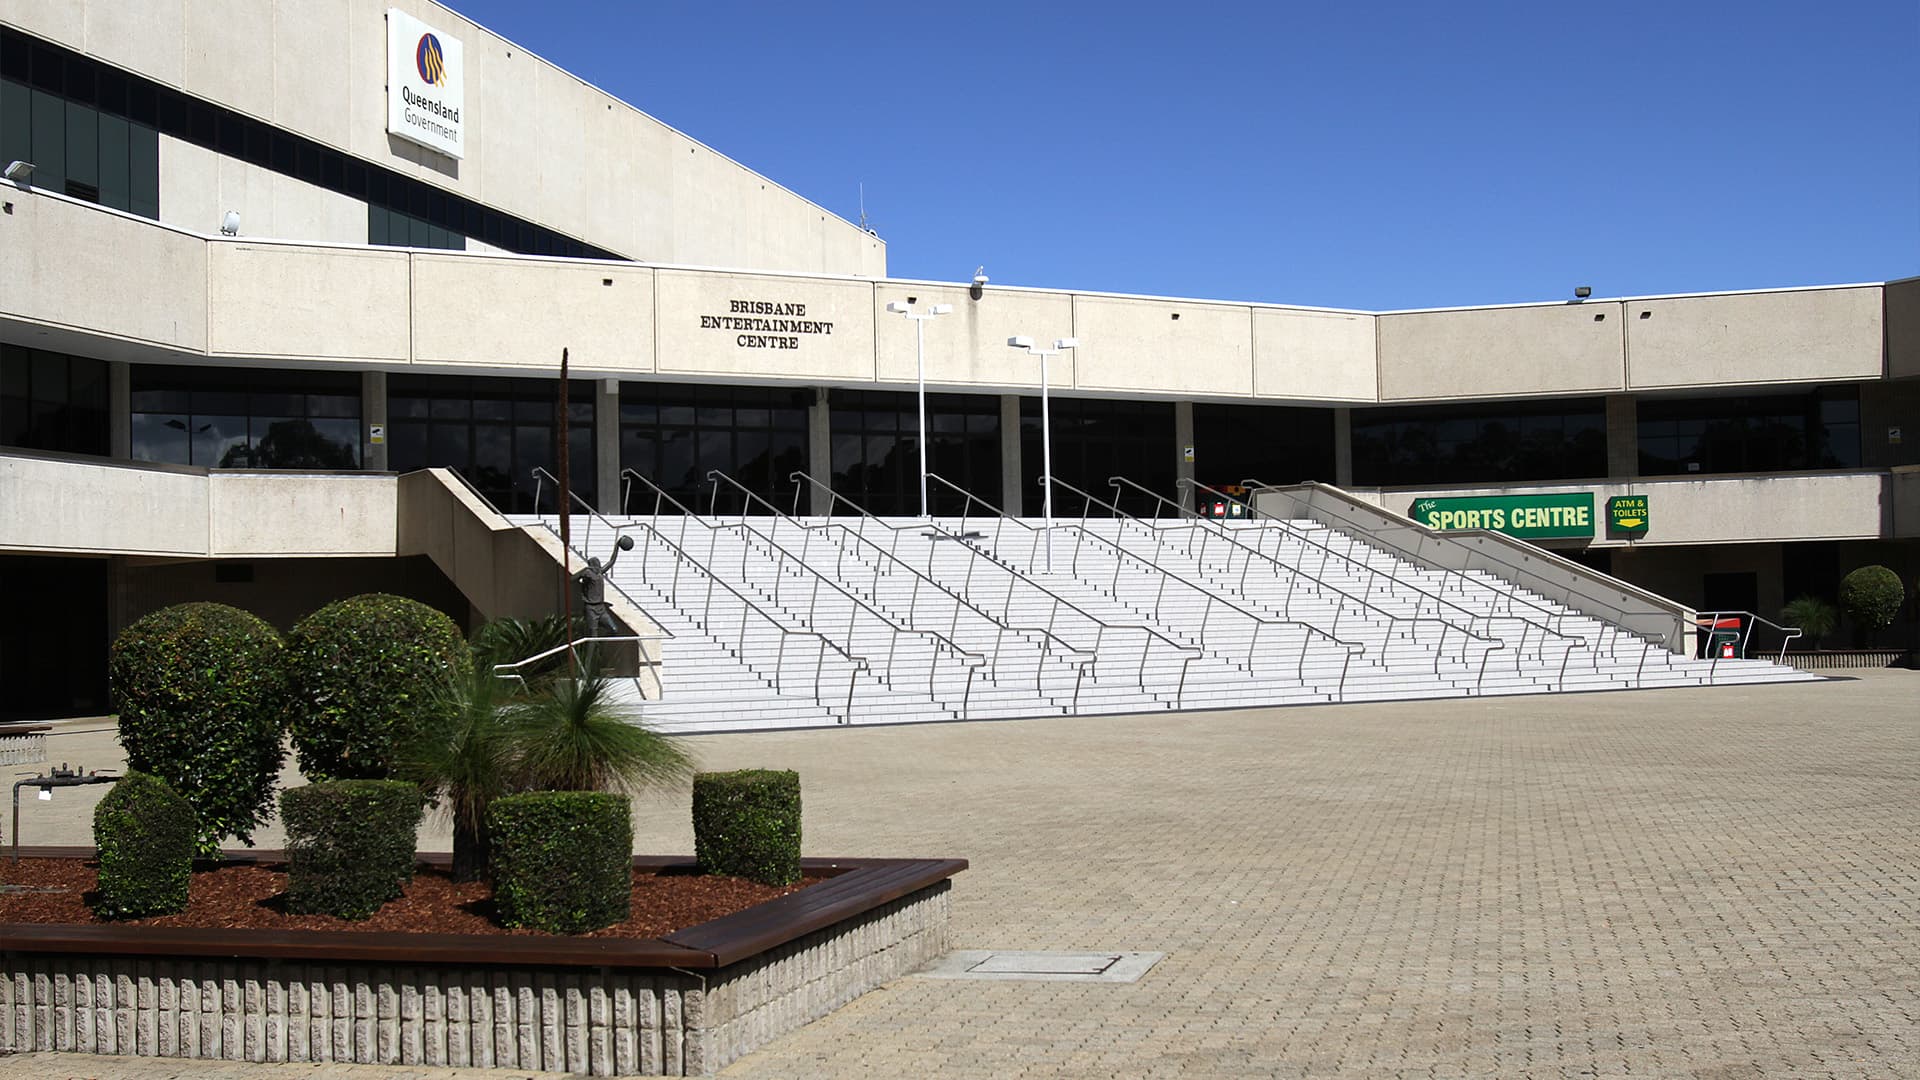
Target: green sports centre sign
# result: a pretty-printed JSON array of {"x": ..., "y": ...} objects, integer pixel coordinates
[{"x": 1529, "y": 517}]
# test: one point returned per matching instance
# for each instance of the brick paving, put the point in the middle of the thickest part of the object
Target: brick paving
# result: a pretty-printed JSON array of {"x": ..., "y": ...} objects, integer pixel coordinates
[{"x": 1710, "y": 883}]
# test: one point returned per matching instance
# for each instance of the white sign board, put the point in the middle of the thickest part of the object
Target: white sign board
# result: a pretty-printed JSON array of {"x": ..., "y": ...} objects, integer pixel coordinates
[{"x": 426, "y": 85}]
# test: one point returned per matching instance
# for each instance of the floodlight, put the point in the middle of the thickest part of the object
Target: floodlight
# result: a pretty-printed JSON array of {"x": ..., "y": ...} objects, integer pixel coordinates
[
  {"x": 941, "y": 309},
  {"x": 230, "y": 225},
  {"x": 20, "y": 172},
  {"x": 1066, "y": 343},
  {"x": 899, "y": 307},
  {"x": 1020, "y": 342}
]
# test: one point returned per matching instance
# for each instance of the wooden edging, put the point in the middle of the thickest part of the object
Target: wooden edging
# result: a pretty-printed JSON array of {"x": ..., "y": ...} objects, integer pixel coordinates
[{"x": 852, "y": 887}]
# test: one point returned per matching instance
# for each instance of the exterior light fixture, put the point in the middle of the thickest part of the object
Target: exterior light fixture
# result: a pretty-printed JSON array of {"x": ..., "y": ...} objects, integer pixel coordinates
[
  {"x": 1060, "y": 345},
  {"x": 899, "y": 307},
  {"x": 20, "y": 172}
]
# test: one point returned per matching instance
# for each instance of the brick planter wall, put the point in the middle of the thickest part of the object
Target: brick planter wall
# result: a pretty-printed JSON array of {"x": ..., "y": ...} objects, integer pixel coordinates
[{"x": 585, "y": 1019}]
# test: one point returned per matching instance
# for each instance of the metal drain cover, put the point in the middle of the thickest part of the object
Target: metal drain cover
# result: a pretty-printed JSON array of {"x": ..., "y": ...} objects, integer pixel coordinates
[{"x": 1052, "y": 966}]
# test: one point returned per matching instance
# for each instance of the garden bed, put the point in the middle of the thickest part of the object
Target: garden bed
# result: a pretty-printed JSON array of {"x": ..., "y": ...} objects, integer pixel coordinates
[{"x": 686, "y": 1000}]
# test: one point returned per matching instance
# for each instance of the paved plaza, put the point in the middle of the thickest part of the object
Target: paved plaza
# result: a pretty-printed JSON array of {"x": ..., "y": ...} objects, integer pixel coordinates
[{"x": 1716, "y": 883}]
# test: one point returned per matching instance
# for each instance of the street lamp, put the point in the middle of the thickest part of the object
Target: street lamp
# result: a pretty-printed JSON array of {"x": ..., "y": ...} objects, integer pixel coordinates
[
  {"x": 1060, "y": 345},
  {"x": 905, "y": 307}
]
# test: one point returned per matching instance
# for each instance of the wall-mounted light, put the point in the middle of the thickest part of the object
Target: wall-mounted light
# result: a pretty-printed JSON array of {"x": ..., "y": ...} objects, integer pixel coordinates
[
  {"x": 20, "y": 172},
  {"x": 1582, "y": 292}
]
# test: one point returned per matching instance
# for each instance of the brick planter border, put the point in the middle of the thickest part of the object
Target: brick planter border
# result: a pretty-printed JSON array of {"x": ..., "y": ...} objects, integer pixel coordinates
[{"x": 688, "y": 1003}]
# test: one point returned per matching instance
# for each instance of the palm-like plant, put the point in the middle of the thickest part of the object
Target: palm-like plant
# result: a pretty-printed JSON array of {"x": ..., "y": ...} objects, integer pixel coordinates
[
  {"x": 465, "y": 758},
  {"x": 572, "y": 736},
  {"x": 509, "y": 641}
]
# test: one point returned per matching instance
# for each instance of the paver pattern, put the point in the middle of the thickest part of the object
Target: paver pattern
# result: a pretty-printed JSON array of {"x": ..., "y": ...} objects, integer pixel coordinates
[{"x": 1716, "y": 883}]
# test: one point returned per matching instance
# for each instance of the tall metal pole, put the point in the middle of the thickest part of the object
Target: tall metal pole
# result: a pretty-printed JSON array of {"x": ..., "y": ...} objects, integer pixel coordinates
[
  {"x": 920, "y": 352},
  {"x": 566, "y": 512},
  {"x": 1046, "y": 458}
]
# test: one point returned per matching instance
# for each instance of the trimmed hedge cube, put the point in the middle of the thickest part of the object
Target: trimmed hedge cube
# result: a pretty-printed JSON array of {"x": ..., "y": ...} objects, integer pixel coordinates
[
  {"x": 562, "y": 860},
  {"x": 145, "y": 833},
  {"x": 747, "y": 824},
  {"x": 349, "y": 845}
]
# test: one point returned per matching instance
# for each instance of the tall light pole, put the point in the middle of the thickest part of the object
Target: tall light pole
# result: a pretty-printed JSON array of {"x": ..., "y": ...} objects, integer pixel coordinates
[
  {"x": 903, "y": 307},
  {"x": 1060, "y": 345}
]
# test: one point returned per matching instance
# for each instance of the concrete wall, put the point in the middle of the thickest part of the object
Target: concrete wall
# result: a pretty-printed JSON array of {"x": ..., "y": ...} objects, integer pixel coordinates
[
  {"x": 111, "y": 275},
  {"x": 1501, "y": 352},
  {"x": 1726, "y": 510},
  {"x": 1816, "y": 335},
  {"x": 1901, "y": 300},
  {"x": 121, "y": 285},
  {"x": 199, "y": 186},
  {"x": 540, "y": 143},
  {"x": 96, "y": 507}
]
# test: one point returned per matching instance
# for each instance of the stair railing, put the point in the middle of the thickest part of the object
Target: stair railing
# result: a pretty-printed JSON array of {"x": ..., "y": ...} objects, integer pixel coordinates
[
  {"x": 1049, "y": 643},
  {"x": 1349, "y": 509},
  {"x": 1088, "y": 500},
  {"x": 782, "y": 558},
  {"x": 1204, "y": 525},
  {"x": 1348, "y": 648},
  {"x": 641, "y": 659},
  {"x": 705, "y": 619},
  {"x": 1706, "y": 620},
  {"x": 1527, "y": 626},
  {"x": 1103, "y": 629}
]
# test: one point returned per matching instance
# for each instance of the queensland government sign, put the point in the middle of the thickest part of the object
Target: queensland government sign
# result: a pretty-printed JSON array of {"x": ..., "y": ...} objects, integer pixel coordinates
[
  {"x": 426, "y": 85},
  {"x": 1529, "y": 517}
]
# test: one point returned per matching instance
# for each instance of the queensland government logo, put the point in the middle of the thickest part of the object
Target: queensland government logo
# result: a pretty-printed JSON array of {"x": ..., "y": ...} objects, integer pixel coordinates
[{"x": 430, "y": 60}]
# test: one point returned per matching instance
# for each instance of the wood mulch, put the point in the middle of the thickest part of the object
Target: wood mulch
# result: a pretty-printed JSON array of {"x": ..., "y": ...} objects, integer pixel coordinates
[{"x": 248, "y": 896}]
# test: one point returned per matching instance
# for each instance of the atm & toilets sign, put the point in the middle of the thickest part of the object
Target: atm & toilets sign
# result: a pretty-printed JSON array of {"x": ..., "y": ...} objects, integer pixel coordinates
[{"x": 426, "y": 85}]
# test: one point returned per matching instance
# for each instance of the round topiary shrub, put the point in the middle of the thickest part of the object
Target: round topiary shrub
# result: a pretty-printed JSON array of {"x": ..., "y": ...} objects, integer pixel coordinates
[
  {"x": 145, "y": 834},
  {"x": 364, "y": 676},
  {"x": 201, "y": 694},
  {"x": 1872, "y": 596},
  {"x": 747, "y": 824},
  {"x": 349, "y": 845},
  {"x": 562, "y": 860}
]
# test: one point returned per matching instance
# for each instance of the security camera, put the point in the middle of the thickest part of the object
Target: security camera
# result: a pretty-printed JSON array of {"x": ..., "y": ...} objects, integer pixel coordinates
[
  {"x": 230, "y": 225},
  {"x": 979, "y": 287}
]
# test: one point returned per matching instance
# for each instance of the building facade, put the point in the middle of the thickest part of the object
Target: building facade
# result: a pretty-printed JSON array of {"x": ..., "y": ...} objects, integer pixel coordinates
[{"x": 260, "y": 250}]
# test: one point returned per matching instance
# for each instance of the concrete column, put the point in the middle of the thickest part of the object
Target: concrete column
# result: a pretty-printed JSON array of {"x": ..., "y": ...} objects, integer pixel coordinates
[
  {"x": 1623, "y": 437},
  {"x": 373, "y": 411},
  {"x": 1012, "y": 490},
  {"x": 1342, "y": 449},
  {"x": 1183, "y": 438},
  {"x": 819, "y": 452},
  {"x": 606, "y": 446},
  {"x": 120, "y": 409}
]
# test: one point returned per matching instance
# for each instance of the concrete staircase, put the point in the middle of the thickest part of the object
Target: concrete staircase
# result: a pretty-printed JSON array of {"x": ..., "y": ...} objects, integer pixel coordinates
[{"x": 780, "y": 622}]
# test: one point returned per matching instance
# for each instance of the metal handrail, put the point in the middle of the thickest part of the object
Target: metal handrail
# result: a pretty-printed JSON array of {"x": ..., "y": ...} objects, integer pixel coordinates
[
  {"x": 857, "y": 663},
  {"x": 1188, "y": 653},
  {"x": 1087, "y": 502},
  {"x": 972, "y": 661},
  {"x": 1375, "y": 536},
  {"x": 512, "y": 670},
  {"x": 1393, "y": 579},
  {"x": 1348, "y": 647},
  {"x": 1075, "y": 655},
  {"x": 1207, "y": 527},
  {"x": 1705, "y": 620}
]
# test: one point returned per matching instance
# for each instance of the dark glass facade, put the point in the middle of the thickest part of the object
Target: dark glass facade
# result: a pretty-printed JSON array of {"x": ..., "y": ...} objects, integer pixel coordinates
[
  {"x": 1481, "y": 443},
  {"x": 673, "y": 434},
  {"x": 1761, "y": 433},
  {"x": 72, "y": 103},
  {"x": 1093, "y": 440},
  {"x": 74, "y": 123},
  {"x": 876, "y": 448},
  {"x": 52, "y": 401},
  {"x": 1277, "y": 444},
  {"x": 494, "y": 432},
  {"x": 236, "y": 418}
]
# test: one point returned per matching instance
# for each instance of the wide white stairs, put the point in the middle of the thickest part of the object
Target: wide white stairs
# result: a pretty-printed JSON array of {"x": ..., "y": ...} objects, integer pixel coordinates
[{"x": 777, "y": 622}]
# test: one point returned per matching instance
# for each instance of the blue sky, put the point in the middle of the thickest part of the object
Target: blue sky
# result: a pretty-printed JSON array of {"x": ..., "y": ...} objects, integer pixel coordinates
[{"x": 1350, "y": 155}]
